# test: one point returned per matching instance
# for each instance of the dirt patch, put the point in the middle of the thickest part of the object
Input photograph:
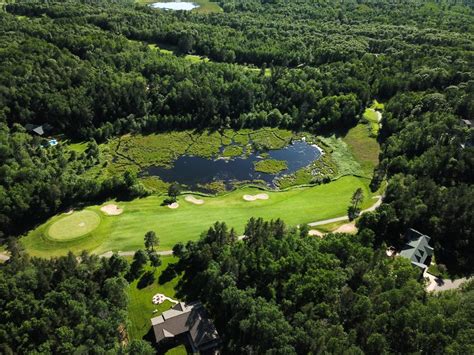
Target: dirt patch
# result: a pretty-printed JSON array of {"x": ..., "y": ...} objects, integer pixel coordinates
[
  {"x": 346, "y": 228},
  {"x": 174, "y": 205},
  {"x": 111, "y": 210},
  {"x": 256, "y": 197},
  {"x": 194, "y": 200},
  {"x": 316, "y": 233}
]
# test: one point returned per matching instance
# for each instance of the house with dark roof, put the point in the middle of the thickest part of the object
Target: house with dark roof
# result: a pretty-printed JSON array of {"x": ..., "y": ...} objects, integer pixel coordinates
[
  {"x": 38, "y": 129},
  {"x": 417, "y": 248},
  {"x": 188, "y": 322}
]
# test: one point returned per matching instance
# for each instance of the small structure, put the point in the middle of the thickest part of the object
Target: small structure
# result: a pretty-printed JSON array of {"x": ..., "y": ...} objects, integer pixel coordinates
[
  {"x": 468, "y": 123},
  {"x": 417, "y": 248},
  {"x": 188, "y": 322},
  {"x": 38, "y": 129}
]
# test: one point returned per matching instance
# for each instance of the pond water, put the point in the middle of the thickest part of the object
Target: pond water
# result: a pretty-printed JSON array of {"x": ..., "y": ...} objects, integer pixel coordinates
[
  {"x": 191, "y": 170},
  {"x": 175, "y": 5}
]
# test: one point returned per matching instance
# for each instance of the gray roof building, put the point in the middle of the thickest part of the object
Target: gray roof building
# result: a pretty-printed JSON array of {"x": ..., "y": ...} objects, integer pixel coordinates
[
  {"x": 189, "y": 319},
  {"x": 417, "y": 248}
]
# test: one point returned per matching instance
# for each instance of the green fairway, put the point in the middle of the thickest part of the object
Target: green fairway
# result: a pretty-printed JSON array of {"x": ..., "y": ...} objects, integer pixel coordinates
[
  {"x": 140, "y": 307},
  {"x": 73, "y": 226},
  {"x": 126, "y": 231}
]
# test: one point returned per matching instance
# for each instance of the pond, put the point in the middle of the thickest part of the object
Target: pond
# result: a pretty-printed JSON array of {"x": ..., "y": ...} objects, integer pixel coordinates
[
  {"x": 175, "y": 5},
  {"x": 193, "y": 171}
]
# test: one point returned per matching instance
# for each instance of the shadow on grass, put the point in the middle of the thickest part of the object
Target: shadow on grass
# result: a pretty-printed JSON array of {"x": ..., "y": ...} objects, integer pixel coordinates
[{"x": 146, "y": 280}]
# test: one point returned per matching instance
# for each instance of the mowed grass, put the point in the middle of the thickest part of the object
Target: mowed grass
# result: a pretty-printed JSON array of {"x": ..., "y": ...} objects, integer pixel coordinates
[
  {"x": 126, "y": 231},
  {"x": 140, "y": 307},
  {"x": 73, "y": 226}
]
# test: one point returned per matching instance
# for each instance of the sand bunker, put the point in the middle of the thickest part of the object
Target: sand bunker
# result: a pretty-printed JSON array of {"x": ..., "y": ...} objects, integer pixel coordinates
[
  {"x": 111, "y": 210},
  {"x": 316, "y": 233},
  {"x": 194, "y": 200},
  {"x": 347, "y": 228},
  {"x": 174, "y": 205},
  {"x": 69, "y": 212},
  {"x": 256, "y": 197}
]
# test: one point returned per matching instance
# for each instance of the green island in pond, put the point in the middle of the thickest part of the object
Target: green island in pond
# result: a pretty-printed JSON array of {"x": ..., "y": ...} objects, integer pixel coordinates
[{"x": 271, "y": 166}]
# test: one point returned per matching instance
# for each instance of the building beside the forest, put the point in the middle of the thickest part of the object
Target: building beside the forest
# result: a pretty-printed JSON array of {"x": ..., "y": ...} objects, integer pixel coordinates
[
  {"x": 188, "y": 323},
  {"x": 417, "y": 249},
  {"x": 38, "y": 129}
]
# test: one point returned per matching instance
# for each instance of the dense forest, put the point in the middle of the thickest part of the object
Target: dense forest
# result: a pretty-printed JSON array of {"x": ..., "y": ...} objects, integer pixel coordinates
[
  {"x": 64, "y": 306},
  {"x": 304, "y": 295}
]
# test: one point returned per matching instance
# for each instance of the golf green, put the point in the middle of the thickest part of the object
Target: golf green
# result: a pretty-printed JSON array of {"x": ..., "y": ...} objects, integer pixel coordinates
[
  {"x": 73, "y": 226},
  {"x": 126, "y": 231}
]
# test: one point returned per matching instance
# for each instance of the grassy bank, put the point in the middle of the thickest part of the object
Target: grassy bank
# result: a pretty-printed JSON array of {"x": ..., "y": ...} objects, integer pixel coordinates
[{"x": 126, "y": 231}]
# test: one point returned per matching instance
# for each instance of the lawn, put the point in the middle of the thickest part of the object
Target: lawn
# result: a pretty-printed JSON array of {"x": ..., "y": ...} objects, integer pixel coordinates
[
  {"x": 73, "y": 226},
  {"x": 126, "y": 231},
  {"x": 140, "y": 307}
]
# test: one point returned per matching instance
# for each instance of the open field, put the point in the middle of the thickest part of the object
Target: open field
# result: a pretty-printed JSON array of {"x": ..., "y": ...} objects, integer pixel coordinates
[
  {"x": 363, "y": 148},
  {"x": 140, "y": 307},
  {"x": 126, "y": 231}
]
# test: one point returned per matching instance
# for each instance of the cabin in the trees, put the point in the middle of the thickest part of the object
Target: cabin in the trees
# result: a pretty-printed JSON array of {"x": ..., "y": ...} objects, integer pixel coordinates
[
  {"x": 38, "y": 129},
  {"x": 188, "y": 323},
  {"x": 417, "y": 249}
]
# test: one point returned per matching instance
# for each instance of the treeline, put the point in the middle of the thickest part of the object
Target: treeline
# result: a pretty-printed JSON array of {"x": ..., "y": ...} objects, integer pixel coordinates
[
  {"x": 37, "y": 181},
  {"x": 64, "y": 306},
  {"x": 280, "y": 291},
  {"x": 428, "y": 157}
]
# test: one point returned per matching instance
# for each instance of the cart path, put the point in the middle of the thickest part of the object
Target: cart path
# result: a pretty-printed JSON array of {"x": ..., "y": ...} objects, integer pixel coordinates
[{"x": 345, "y": 218}]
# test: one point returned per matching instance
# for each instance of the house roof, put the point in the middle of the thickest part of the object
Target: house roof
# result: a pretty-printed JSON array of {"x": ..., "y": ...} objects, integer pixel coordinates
[
  {"x": 417, "y": 248},
  {"x": 183, "y": 318}
]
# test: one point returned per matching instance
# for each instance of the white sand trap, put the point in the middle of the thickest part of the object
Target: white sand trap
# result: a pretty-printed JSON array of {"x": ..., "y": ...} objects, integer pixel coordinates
[
  {"x": 256, "y": 197},
  {"x": 194, "y": 200},
  {"x": 316, "y": 233},
  {"x": 82, "y": 224},
  {"x": 111, "y": 210},
  {"x": 174, "y": 205},
  {"x": 69, "y": 212}
]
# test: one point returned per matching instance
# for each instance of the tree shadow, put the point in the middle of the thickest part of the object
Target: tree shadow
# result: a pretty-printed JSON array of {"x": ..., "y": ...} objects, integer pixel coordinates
[
  {"x": 146, "y": 280},
  {"x": 168, "y": 274}
]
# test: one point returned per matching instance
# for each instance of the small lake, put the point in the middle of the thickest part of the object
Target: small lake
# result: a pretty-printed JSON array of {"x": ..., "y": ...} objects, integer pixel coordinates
[
  {"x": 191, "y": 170},
  {"x": 175, "y": 5}
]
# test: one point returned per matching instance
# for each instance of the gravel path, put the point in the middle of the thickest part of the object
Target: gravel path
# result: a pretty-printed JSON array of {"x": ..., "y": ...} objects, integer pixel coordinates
[{"x": 436, "y": 284}]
